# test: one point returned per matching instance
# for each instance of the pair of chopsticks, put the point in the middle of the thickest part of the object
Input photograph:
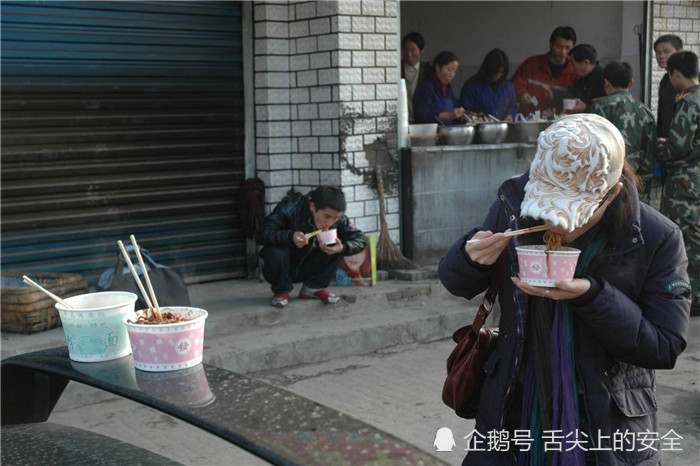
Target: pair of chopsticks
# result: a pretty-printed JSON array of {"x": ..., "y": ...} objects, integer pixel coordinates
[
  {"x": 30, "y": 282},
  {"x": 524, "y": 231},
  {"x": 154, "y": 304},
  {"x": 312, "y": 234}
]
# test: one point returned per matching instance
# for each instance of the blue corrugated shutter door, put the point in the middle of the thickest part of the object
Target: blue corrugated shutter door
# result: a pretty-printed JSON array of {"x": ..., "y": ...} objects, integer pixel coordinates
[{"x": 122, "y": 118}]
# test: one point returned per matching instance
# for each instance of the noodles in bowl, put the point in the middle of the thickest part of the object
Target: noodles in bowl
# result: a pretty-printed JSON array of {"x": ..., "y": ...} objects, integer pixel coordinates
[{"x": 552, "y": 241}]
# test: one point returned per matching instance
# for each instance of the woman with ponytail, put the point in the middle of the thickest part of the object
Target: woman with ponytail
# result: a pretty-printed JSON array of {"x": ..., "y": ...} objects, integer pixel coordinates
[{"x": 574, "y": 364}]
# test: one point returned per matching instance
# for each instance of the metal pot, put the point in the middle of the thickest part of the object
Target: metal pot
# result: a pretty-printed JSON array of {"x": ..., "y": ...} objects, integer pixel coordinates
[
  {"x": 492, "y": 132},
  {"x": 526, "y": 131},
  {"x": 459, "y": 135}
]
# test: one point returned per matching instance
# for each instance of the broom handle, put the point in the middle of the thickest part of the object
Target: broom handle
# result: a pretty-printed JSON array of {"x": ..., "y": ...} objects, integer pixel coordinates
[{"x": 380, "y": 190}]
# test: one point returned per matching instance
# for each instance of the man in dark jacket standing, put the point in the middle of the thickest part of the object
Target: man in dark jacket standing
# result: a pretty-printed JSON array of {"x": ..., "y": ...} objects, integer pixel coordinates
[
  {"x": 574, "y": 364},
  {"x": 291, "y": 254},
  {"x": 591, "y": 83},
  {"x": 664, "y": 47}
]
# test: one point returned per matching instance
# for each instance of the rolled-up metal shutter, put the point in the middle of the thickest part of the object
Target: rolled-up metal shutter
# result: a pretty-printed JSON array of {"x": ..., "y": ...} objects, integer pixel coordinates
[{"x": 122, "y": 118}]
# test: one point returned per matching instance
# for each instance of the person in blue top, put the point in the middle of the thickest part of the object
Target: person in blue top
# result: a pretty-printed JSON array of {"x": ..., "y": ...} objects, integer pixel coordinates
[
  {"x": 434, "y": 98},
  {"x": 490, "y": 91}
]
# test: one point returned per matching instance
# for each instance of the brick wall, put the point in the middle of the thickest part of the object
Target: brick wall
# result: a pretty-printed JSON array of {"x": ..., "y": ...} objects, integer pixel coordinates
[
  {"x": 326, "y": 78},
  {"x": 681, "y": 18}
]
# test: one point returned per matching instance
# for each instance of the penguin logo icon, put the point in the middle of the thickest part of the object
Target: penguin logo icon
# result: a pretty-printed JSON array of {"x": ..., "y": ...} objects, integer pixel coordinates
[{"x": 444, "y": 440}]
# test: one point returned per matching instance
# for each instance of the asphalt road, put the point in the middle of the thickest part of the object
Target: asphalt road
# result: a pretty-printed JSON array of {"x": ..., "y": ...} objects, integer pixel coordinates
[{"x": 397, "y": 390}]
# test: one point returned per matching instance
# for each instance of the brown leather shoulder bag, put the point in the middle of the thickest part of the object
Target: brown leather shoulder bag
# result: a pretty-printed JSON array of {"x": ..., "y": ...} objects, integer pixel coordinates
[{"x": 465, "y": 365}]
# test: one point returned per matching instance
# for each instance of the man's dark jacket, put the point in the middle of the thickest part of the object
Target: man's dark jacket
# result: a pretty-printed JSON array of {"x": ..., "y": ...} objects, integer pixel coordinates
[
  {"x": 294, "y": 214},
  {"x": 632, "y": 321},
  {"x": 590, "y": 87}
]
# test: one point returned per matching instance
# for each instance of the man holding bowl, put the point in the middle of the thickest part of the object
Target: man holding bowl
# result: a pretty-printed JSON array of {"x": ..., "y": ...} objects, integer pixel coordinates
[{"x": 305, "y": 238}]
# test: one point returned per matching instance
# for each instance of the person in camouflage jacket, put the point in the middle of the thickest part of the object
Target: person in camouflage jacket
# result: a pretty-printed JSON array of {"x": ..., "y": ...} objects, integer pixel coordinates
[
  {"x": 680, "y": 156},
  {"x": 634, "y": 120}
]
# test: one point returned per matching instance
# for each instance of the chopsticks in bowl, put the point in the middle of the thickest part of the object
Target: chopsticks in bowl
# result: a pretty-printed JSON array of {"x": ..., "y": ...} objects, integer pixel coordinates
[
  {"x": 135, "y": 274},
  {"x": 32, "y": 283},
  {"x": 148, "y": 280}
]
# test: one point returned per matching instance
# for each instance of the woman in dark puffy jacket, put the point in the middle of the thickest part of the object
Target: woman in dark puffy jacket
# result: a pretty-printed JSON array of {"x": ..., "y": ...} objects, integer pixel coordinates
[{"x": 574, "y": 365}]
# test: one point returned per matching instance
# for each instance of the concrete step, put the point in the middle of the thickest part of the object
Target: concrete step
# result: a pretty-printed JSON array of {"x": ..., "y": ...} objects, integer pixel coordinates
[
  {"x": 333, "y": 335},
  {"x": 245, "y": 334},
  {"x": 252, "y": 310}
]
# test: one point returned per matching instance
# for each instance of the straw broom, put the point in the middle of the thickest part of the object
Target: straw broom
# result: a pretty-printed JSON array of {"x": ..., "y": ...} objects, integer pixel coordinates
[{"x": 388, "y": 254}]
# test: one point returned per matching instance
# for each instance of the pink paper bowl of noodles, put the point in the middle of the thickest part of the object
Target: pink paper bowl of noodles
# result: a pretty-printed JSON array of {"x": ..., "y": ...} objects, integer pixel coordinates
[
  {"x": 328, "y": 237},
  {"x": 168, "y": 346},
  {"x": 537, "y": 269}
]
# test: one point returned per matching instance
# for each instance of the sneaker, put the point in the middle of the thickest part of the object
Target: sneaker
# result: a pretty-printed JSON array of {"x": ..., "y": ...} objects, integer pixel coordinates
[
  {"x": 322, "y": 294},
  {"x": 280, "y": 300}
]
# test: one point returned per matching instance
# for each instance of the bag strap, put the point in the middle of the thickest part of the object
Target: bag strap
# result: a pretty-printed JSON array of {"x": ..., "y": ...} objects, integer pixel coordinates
[
  {"x": 147, "y": 260},
  {"x": 490, "y": 296}
]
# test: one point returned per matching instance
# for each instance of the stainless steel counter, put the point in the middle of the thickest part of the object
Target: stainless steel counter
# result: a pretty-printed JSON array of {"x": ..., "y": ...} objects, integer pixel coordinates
[{"x": 447, "y": 190}]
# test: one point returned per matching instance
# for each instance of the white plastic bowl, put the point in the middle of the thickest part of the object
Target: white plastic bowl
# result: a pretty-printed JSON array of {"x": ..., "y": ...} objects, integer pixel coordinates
[
  {"x": 423, "y": 130},
  {"x": 94, "y": 330}
]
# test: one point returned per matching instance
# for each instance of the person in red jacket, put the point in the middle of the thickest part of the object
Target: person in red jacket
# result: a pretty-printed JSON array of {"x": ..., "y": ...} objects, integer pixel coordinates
[{"x": 539, "y": 78}]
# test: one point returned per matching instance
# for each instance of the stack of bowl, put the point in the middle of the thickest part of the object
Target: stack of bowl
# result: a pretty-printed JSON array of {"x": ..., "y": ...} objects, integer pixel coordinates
[{"x": 423, "y": 134}]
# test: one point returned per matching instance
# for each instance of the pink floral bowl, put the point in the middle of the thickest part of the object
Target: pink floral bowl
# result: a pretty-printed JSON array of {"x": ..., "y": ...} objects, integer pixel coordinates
[
  {"x": 535, "y": 269},
  {"x": 167, "y": 347},
  {"x": 328, "y": 236}
]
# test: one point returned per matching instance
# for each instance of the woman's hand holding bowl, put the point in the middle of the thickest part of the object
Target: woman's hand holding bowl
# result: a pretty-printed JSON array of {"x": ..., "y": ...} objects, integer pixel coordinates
[{"x": 561, "y": 290}]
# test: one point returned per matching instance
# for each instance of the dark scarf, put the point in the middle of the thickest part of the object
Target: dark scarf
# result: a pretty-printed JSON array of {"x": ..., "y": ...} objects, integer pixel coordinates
[{"x": 550, "y": 395}]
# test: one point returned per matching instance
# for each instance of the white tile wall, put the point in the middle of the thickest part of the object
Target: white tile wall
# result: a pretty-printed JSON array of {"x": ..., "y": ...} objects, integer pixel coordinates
[
  {"x": 349, "y": 8},
  {"x": 301, "y": 161},
  {"x": 325, "y": 88}
]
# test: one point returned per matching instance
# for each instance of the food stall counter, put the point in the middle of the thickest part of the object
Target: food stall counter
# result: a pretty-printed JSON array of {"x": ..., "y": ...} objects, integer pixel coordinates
[{"x": 446, "y": 191}]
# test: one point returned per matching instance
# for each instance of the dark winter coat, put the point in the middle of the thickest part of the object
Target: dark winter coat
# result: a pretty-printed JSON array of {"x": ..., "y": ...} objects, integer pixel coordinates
[
  {"x": 294, "y": 214},
  {"x": 634, "y": 320},
  {"x": 431, "y": 99}
]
